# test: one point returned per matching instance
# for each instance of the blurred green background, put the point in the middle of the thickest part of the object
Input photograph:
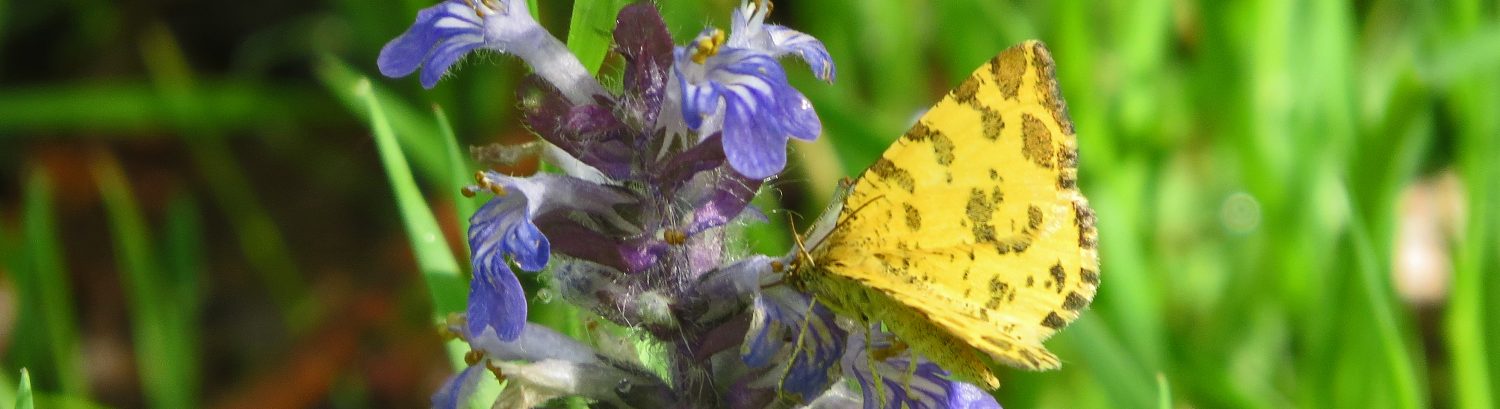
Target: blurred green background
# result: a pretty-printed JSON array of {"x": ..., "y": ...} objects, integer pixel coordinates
[{"x": 1297, "y": 199}]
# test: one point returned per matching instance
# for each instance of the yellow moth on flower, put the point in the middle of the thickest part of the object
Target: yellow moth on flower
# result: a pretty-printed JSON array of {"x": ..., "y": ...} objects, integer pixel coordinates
[{"x": 969, "y": 238}]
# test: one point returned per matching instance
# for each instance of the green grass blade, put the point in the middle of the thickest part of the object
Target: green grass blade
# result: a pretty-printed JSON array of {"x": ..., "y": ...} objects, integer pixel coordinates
[
  {"x": 590, "y": 30},
  {"x": 182, "y": 254},
  {"x": 445, "y": 283},
  {"x": 162, "y": 360},
  {"x": 414, "y": 129},
  {"x": 434, "y": 258},
  {"x": 135, "y": 109},
  {"x": 7, "y": 387},
  {"x": 459, "y": 172},
  {"x": 1163, "y": 392},
  {"x": 47, "y": 275},
  {"x": 23, "y": 391},
  {"x": 1468, "y": 333},
  {"x": 1121, "y": 375},
  {"x": 257, "y": 234},
  {"x": 1388, "y": 329}
]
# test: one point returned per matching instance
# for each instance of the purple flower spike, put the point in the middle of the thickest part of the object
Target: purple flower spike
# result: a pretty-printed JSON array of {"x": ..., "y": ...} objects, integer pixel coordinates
[
  {"x": 635, "y": 231},
  {"x": 928, "y": 387}
]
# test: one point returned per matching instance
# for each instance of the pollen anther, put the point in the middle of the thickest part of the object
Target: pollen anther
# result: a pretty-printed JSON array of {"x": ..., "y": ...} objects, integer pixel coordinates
[
  {"x": 674, "y": 237},
  {"x": 707, "y": 46},
  {"x": 473, "y": 357},
  {"x": 766, "y": 5},
  {"x": 483, "y": 182}
]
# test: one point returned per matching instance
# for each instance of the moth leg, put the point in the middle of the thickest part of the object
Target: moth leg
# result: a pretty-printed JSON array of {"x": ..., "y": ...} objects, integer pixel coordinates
[
  {"x": 911, "y": 370},
  {"x": 800, "y": 346},
  {"x": 870, "y": 360}
]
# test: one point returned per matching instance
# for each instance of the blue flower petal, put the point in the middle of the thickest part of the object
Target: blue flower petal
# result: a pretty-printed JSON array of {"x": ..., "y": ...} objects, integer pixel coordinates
[
  {"x": 504, "y": 227},
  {"x": 404, "y": 54},
  {"x": 766, "y": 335},
  {"x": 776, "y": 329},
  {"x": 751, "y": 31},
  {"x": 760, "y": 109},
  {"x": 698, "y": 100},
  {"x": 798, "y": 117},
  {"x": 454, "y": 393},
  {"x": 927, "y": 386},
  {"x": 536, "y": 343},
  {"x": 496, "y": 300},
  {"x": 446, "y": 32},
  {"x": 967, "y": 396},
  {"x": 753, "y": 144},
  {"x": 812, "y": 51},
  {"x": 441, "y": 35},
  {"x": 445, "y": 55},
  {"x": 526, "y": 244}
]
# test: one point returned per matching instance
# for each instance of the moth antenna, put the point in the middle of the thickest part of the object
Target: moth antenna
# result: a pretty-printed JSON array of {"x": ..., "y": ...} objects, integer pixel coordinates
[{"x": 846, "y": 216}]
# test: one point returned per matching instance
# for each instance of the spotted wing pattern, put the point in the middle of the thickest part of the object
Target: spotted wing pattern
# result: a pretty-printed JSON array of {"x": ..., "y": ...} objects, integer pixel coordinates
[{"x": 971, "y": 225}]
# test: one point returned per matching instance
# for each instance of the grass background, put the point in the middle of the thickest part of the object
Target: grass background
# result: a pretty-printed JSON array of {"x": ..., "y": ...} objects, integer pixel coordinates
[{"x": 206, "y": 204}]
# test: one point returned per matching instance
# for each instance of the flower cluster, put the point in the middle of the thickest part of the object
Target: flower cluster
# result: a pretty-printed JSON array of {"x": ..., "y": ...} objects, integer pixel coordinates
[{"x": 638, "y": 228}]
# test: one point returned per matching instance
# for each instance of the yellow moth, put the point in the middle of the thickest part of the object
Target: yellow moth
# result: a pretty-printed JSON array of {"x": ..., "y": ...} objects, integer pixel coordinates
[{"x": 968, "y": 239}]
